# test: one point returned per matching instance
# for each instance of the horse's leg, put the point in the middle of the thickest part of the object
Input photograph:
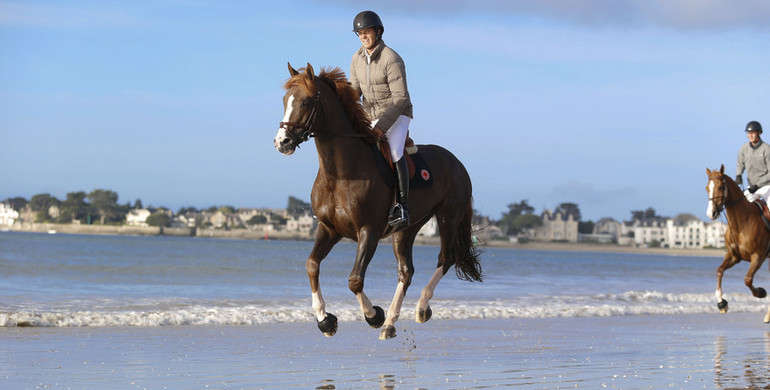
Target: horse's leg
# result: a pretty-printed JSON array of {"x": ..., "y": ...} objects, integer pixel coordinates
[
  {"x": 367, "y": 244},
  {"x": 756, "y": 263},
  {"x": 447, "y": 226},
  {"x": 324, "y": 241},
  {"x": 402, "y": 247},
  {"x": 729, "y": 261}
]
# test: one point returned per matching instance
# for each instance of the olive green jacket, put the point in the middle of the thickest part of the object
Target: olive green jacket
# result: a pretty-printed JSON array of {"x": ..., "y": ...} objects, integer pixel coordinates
[{"x": 382, "y": 84}]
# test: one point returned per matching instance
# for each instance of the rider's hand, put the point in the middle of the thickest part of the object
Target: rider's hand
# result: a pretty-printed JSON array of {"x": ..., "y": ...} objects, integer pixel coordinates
[
  {"x": 739, "y": 180},
  {"x": 753, "y": 188}
]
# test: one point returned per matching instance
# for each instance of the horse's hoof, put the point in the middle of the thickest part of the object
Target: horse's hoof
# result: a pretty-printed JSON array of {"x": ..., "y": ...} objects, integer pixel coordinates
[
  {"x": 378, "y": 319},
  {"x": 423, "y": 315},
  {"x": 722, "y": 305},
  {"x": 329, "y": 325},
  {"x": 761, "y": 293},
  {"x": 388, "y": 332}
]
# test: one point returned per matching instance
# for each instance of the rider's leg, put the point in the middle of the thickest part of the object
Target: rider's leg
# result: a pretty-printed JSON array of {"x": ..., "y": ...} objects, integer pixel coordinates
[
  {"x": 396, "y": 136},
  {"x": 762, "y": 192}
]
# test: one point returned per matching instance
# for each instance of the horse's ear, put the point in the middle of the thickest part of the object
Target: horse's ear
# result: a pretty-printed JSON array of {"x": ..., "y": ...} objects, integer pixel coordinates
[
  {"x": 293, "y": 72},
  {"x": 722, "y": 169},
  {"x": 309, "y": 71},
  {"x": 708, "y": 172}
]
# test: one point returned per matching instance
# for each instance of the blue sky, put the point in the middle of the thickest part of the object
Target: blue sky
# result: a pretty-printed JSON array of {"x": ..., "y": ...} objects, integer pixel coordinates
[{"x": 615, "y": 105}]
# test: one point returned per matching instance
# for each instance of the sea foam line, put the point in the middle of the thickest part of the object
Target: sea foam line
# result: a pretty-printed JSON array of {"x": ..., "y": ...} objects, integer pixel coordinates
[{"x": 602, "y": 305}]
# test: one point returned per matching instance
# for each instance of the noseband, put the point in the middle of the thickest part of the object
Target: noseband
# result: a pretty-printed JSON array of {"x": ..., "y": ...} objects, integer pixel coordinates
[{"x": 305, "y": 130}]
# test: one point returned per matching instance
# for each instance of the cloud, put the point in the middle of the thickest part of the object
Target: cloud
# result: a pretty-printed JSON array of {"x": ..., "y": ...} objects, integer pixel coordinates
[{"x": 677, "y": 14}]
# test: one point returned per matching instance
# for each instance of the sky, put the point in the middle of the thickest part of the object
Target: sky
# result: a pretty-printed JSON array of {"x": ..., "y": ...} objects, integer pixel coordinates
[{"x": 616, "y": 105}]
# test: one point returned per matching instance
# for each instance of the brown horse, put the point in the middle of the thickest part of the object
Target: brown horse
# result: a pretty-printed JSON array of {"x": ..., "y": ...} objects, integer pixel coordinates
[
  {"x": 746, "y": 237},
  {"x": 351, "y": 199}
]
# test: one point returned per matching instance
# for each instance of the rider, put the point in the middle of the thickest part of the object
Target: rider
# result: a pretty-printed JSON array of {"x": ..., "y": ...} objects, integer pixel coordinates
[
  {"x": 754, "y": 157},
  {"x": 378, "y": 73}
]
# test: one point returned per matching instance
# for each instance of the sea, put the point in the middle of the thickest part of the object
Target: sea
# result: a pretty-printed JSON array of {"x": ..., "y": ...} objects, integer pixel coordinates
[{"x": 63, "y": 280}]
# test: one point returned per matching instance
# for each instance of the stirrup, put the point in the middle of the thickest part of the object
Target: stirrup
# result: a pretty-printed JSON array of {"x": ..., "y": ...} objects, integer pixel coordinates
[{"x": 398, "y": 216}]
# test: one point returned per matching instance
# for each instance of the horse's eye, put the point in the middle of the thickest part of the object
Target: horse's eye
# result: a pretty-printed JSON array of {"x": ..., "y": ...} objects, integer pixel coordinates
[{"x": 307, "y": 102}]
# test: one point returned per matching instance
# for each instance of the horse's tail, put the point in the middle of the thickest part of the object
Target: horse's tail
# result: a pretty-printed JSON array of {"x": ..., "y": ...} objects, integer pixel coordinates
[{"x": 464, "y": 251}]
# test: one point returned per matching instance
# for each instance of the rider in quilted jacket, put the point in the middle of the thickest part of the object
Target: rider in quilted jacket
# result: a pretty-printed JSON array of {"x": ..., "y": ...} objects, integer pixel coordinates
[
  {"x": 754, "y": 158},
  {"x": 378, "y": 74}
]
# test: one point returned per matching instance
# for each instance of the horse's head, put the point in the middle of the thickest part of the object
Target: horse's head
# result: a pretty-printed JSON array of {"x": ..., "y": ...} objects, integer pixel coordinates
[
  {"x": 301, "y": 105},
  {"x": 717, "y": 191}
]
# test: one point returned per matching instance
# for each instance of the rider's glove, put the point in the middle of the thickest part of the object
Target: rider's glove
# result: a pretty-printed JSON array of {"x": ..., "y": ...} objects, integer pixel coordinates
[{"x": 753, "y": 188}]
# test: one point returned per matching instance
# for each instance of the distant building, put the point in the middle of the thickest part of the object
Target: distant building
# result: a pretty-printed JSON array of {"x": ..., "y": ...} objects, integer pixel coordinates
[
  {"x": 7, "y": 215},
  {"x": 685, "y": 232},
  {"x": 304, "y": 224},
  {"x": 606, "y": 230},
  {"x": 137, "y": 217},
  {"x": 557, "y": 227},
  {"x": 714, "y": 234}
]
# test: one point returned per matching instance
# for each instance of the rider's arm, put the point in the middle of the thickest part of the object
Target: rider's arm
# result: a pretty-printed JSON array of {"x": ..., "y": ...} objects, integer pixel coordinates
[{"x": 399, "y": 95}]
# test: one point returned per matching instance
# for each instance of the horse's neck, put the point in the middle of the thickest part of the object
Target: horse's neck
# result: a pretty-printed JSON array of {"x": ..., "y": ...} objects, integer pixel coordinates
[
  {"x": 341, "y": 153},
  {"x": 739, "y": 208}
]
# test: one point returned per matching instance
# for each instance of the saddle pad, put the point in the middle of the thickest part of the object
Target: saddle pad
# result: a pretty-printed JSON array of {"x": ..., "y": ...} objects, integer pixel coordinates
[{"x": 420, "y": 176}]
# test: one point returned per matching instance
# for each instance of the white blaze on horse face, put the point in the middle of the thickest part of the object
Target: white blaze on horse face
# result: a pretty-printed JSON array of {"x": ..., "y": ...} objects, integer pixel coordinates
[
  {"x": 282, "y": 134},
  {"x": 710, "y": 210}
]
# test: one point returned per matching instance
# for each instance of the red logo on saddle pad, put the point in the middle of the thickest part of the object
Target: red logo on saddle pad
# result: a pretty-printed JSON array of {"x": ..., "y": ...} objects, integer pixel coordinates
[{"x": 425, "y": 174}]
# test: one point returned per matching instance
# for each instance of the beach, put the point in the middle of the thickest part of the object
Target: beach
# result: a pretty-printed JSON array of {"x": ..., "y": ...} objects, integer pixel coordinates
[
  {"x": 709, "y": 351},
  {"x": 117, "y": 312}
]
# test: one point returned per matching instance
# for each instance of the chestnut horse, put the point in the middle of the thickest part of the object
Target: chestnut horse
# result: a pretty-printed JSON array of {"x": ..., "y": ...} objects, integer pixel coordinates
[
  {"x": 351, "y": 199},
  {"x": 746, "y": 237}
]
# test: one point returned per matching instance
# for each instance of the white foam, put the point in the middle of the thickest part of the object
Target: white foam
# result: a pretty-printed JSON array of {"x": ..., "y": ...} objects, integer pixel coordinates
[{"x": 233, "y": 313}]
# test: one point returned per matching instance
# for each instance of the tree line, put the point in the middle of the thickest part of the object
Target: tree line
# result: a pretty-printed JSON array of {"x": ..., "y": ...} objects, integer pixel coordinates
[{"x": 101, "y": 206}]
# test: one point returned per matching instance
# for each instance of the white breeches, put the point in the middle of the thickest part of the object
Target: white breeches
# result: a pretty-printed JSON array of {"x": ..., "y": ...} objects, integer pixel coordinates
[
  {"x": 396, "y": 136},
  {"x": 760, "y": 193}
]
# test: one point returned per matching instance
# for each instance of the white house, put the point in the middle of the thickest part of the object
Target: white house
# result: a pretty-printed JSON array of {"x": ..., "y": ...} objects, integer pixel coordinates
[
  {"x": 304, "y": 224},
  {"x": 7, "y": 215},
  {"x": 714, "y": 234},
  {"x": 644, "y": 233},
  {"x": 685, "y": 233},
  {"x": 137, "y": 217}
]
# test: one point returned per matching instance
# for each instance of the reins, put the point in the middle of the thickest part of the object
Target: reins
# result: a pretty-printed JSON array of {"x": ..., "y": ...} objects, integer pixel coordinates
[{"x": 306, "y": 129}]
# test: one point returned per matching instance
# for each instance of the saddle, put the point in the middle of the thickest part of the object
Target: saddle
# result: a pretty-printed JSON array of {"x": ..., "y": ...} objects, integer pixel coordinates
[
  {"x": 763, "y": 211},
  {"x": 414, "y": 162}
]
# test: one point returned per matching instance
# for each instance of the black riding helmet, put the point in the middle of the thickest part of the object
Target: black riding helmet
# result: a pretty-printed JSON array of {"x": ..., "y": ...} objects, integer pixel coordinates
[
  {"x": 367, "y": 19},
  {"x": 754, "y": 126}
]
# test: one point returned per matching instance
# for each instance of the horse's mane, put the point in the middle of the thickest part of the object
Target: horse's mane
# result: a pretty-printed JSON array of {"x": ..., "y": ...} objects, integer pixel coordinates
[{"x": 347, "y": 96}]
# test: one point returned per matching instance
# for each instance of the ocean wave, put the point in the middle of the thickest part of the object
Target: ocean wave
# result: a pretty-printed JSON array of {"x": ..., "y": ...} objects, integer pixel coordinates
[{"x": 233, "y": 313}]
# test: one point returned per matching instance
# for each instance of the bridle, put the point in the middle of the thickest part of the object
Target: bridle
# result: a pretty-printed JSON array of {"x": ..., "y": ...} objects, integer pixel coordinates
[
  {"x": 723, "y": 204},
  {"x": 306, "y": 129}
]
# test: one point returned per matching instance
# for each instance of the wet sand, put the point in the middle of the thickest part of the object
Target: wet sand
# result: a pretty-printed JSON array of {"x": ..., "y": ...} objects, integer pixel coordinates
[{"x": 630, "y": 352}]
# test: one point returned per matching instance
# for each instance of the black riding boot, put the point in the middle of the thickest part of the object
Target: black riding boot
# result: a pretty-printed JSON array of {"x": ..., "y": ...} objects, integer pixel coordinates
[{"x": 399, "y": 214}]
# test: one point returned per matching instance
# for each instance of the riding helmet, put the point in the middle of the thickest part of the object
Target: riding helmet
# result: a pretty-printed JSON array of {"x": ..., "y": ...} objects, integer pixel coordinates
[
  {"x": 754, "y": 126},
  {"x": 367, "y": 19}
]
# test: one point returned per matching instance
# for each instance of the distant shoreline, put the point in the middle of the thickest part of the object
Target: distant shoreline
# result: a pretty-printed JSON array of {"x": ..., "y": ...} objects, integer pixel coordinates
[{"x": 423, "y": 241}]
